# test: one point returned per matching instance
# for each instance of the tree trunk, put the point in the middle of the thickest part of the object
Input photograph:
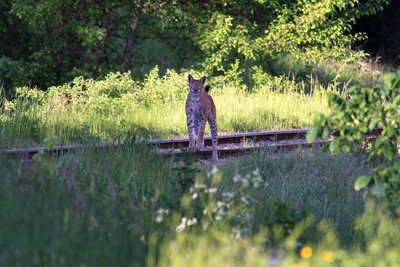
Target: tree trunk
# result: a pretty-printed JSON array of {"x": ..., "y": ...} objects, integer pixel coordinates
[{"x": 128, "y": 57}]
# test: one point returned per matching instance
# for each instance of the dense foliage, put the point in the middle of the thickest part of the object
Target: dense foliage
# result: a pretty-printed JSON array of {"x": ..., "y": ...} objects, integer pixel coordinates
[
  {"x": 357, "y": 112},
  {"x": 50, "y": 42},
  {"x": 383, "y": 39}
]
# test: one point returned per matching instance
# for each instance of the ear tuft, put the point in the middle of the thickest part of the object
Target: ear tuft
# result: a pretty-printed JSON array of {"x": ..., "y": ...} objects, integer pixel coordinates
[
  {"x": 190, "y": 78},
  {"x": 203, "y": 79}
]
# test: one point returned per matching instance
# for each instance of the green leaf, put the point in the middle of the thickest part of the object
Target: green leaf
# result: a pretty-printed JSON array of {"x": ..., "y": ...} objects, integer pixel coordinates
[
  {"x": 388, "y": 151},
  {"x": 312, "y": 133},
  {"x": 373, "y": 123},
  {"x": 378, "y": 190},
  {"x": 334, "y": 145},
  {"x": 362, "y": 182},
  {"x": 326, "y": 133},
  {"x": 319, "y": 120},
  {"x": 345, "y": 148},
  {"x": 332, "y": 98}
]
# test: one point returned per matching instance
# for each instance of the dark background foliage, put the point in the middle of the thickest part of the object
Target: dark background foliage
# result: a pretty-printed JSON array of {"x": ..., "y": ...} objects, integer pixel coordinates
[
  {"x": 383, "y": 33},
  {"x": 48, "y": 42}
]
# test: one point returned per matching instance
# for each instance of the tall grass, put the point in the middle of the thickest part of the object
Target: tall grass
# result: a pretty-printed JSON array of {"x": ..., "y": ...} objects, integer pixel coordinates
[
  {"x": 109, "y": 109},
  {"x": 90, "y": 208},
  {"x": 307, "y": 181},
  {"x": 381, "y": 249},
  {"x": 99, "y": 208}
]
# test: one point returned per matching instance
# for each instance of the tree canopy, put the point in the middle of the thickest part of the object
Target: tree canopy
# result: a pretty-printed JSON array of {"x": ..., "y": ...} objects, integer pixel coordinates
[{"x": 48, "y": 42}]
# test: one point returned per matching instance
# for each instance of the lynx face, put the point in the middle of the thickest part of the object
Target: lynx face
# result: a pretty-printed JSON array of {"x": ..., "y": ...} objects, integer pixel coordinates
[{"x": 196, "y": 86}]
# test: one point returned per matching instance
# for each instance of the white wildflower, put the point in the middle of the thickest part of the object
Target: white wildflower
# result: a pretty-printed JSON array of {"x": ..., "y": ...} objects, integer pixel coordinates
[
  {"x": 200, "y": 186},
  {"x": 221, "y": 213},
  {"x": 256, "y": 181},
  {"x": 220, "y": 204},
  {"x": 214, "y": 170},
  {"x": 192, "y": 221},
  {"x": 256, "y": 172},
  {"x": 159, "y": 218},
  {"x": 160, "y": 214},
  {"x": 236, "y": 178},
  {"x": 182, "y": 225},
  {"x": 245, "y": 182},
  {"x": 212, "y": 190},
  {"x": 228, "y": 195}
]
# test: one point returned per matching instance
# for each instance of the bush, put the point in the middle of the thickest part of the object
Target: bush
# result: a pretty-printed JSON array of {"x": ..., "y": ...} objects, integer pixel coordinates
[
  {"x": 171, "y": 88},
  {"x": 357, "y": 112}
]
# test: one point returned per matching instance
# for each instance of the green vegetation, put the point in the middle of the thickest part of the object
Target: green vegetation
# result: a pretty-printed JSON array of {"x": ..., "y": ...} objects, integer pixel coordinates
[
  {"x": 96, "y": 208},
  {"x": 128, "y": 206},
  {"x": 358, "y": 111},
  {"x": 97, "y": 71},
  {"x": 50, "y": 42},
  {"x": 108, "y": 109}
]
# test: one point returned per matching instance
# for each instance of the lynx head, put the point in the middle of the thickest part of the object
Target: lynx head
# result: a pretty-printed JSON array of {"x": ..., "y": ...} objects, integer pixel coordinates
[{"x": 196, "y": 86}]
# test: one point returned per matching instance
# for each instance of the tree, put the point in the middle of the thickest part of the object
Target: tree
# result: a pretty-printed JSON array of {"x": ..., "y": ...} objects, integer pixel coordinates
[{"x": 48, "y": 42}]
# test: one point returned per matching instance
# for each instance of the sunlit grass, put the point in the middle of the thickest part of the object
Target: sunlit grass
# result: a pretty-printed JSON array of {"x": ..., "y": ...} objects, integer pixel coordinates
[{"x": 237, "y": 111}]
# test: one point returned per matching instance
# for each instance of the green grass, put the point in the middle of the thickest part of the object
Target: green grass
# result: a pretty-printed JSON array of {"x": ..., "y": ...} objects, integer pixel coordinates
[
  {"x": 309, "y": 181},
  {"x": 218, "y": 249},
  {"x": 109, "y": 109},
  {"x": 98, "y": 208},
  {"x": 122, "y": 206}
]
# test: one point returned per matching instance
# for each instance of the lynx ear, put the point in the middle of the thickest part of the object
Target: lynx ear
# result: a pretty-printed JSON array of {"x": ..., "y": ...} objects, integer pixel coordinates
[
  {"x": 203, "y": 79},
  {"x": 190, "y": 78}
]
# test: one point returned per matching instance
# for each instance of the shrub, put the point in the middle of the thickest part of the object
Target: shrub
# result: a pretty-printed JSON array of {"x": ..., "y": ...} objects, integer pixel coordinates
[{"x": 357, "y": 112}]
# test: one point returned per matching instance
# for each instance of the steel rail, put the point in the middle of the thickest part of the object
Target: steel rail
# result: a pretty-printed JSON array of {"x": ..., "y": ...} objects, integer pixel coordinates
[
  {"x": 236, "y": 138},
  {"x": 239, "y": 143},
  {"x": 240, "y": 150},
  {"x": 29, "y": 152}
]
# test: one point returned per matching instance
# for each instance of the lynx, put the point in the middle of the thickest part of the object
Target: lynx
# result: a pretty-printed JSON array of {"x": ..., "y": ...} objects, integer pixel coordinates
[{"x": 199, "y": 108}]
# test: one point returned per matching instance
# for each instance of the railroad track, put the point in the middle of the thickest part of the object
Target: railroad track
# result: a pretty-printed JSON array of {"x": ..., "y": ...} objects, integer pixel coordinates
[{"x": 228, "y": 144}]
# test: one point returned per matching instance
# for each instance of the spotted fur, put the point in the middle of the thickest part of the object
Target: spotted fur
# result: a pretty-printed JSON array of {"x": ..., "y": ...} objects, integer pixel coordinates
[{"x": 199, "y": 109}]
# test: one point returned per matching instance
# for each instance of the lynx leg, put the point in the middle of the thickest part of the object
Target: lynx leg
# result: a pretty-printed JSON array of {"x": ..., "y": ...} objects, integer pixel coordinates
[
  {"x": 192, "y": 135},
  {"x": 214, "y": 138},
  {"x": 192, "y": 141},
  {"x": 200, "y": 133}
]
